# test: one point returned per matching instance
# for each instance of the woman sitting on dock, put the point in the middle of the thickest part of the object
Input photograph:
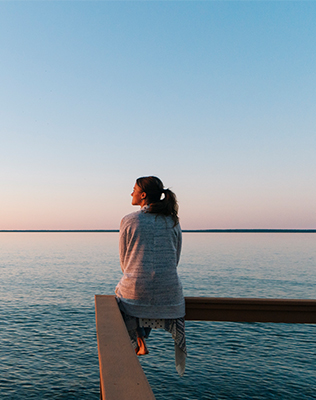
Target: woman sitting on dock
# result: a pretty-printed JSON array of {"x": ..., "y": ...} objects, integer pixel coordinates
[{"x": 150, "y": 292}]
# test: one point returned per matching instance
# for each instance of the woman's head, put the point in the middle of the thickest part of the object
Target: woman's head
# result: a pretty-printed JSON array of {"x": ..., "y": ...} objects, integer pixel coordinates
[
  {"x": 150, "y": 190},
  {"x": 152, "y": 186}
]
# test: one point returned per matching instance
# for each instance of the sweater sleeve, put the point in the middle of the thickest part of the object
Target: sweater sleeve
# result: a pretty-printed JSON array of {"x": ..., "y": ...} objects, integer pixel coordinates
[
  {"x": 179, "y": 244},
  {"x": 122, "y": 244}
]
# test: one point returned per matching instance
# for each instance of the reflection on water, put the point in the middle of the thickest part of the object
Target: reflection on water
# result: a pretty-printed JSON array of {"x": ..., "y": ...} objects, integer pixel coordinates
[{"x": 48, "y": 343}]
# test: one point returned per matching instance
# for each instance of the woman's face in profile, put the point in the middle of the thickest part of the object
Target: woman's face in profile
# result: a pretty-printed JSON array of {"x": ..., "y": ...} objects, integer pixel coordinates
[{"x": 138, "y": 197}]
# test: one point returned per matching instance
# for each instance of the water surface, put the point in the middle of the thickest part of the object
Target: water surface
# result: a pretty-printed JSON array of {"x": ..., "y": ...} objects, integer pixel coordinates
[{"x": 47, "y": 324}]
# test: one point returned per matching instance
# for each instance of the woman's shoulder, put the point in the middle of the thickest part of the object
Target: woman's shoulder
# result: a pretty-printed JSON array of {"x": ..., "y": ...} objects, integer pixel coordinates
[
  {"x": 142, "y": 218},
  {"x": 131, "y": 218}
]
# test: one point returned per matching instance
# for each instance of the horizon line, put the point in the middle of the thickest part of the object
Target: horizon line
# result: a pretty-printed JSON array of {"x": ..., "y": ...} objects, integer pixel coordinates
[{"x": 183, "y": 230}]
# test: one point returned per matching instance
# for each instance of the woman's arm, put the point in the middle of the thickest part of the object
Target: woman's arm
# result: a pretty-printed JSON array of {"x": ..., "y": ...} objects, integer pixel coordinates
[
  {"x": 122, "y": 244},
  {"x": 179, "y": 244}
]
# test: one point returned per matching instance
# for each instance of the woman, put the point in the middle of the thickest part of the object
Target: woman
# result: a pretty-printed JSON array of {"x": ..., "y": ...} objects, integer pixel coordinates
[{"x": 150, "y": 292}]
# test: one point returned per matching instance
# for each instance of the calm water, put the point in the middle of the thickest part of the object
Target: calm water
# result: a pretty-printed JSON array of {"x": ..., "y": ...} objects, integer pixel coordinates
[{"x": 47, "y": 328}]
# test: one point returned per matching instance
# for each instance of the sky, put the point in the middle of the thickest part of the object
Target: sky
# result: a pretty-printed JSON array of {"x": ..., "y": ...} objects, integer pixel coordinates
[{"x": 217, "y": 98}]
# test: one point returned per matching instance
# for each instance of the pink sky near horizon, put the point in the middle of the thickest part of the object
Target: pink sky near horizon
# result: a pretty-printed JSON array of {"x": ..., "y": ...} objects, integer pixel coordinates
[{"x": 216, "y": 213}]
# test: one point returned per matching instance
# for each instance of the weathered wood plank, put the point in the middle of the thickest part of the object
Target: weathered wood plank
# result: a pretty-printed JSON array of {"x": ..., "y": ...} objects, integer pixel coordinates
[
  {"x": 121, "y": 375},
  {"x": 250, "y": 310}
]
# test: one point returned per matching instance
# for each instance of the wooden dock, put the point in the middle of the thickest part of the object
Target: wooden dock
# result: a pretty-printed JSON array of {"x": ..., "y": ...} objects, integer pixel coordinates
[{"x": 121, "y": 375}]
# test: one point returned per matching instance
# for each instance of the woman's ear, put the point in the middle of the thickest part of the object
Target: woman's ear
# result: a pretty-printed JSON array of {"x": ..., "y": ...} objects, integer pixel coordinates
[{"x": 143, "y": 195}]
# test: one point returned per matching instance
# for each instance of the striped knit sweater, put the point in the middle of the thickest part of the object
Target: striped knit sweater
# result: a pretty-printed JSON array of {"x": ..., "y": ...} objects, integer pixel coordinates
[{"x": 149, "y": 254}]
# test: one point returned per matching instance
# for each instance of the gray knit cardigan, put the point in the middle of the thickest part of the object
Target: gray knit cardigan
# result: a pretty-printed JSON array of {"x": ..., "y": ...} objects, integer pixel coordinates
[{"x": 150, "y": 247}]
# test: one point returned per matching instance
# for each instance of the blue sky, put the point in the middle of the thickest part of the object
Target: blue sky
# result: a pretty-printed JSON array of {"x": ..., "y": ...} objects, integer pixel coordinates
[{"x": 217, "y": 98}]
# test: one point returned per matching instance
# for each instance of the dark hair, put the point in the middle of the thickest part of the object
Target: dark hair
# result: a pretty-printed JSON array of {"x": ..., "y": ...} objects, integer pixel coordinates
[{"x": 153, "y": 187}]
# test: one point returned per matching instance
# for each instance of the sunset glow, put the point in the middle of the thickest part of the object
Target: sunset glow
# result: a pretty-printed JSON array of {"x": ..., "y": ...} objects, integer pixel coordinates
[{"x": 216, "y": 98}]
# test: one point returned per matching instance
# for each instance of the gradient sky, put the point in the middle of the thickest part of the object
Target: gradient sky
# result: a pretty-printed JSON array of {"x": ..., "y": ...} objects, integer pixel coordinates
[{"x": 217, "y": 98}]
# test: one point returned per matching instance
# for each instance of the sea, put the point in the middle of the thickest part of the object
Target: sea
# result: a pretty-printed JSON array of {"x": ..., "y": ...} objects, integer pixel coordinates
[{"x": 48, "y": 345}]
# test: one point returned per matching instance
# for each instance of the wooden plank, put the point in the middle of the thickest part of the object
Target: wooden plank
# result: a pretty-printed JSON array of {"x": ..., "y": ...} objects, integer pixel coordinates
[
  {"x": 121, "y": 375},
  {"x": 250, "y": 310}
]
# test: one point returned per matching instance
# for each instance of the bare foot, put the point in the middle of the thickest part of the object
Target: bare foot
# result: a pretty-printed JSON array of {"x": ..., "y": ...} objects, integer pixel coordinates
[{"x": 142, "y": 348}]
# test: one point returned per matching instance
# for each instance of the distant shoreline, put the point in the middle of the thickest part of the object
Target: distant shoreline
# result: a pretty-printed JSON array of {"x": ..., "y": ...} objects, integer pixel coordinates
[{"x": 184, "y": 230}]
